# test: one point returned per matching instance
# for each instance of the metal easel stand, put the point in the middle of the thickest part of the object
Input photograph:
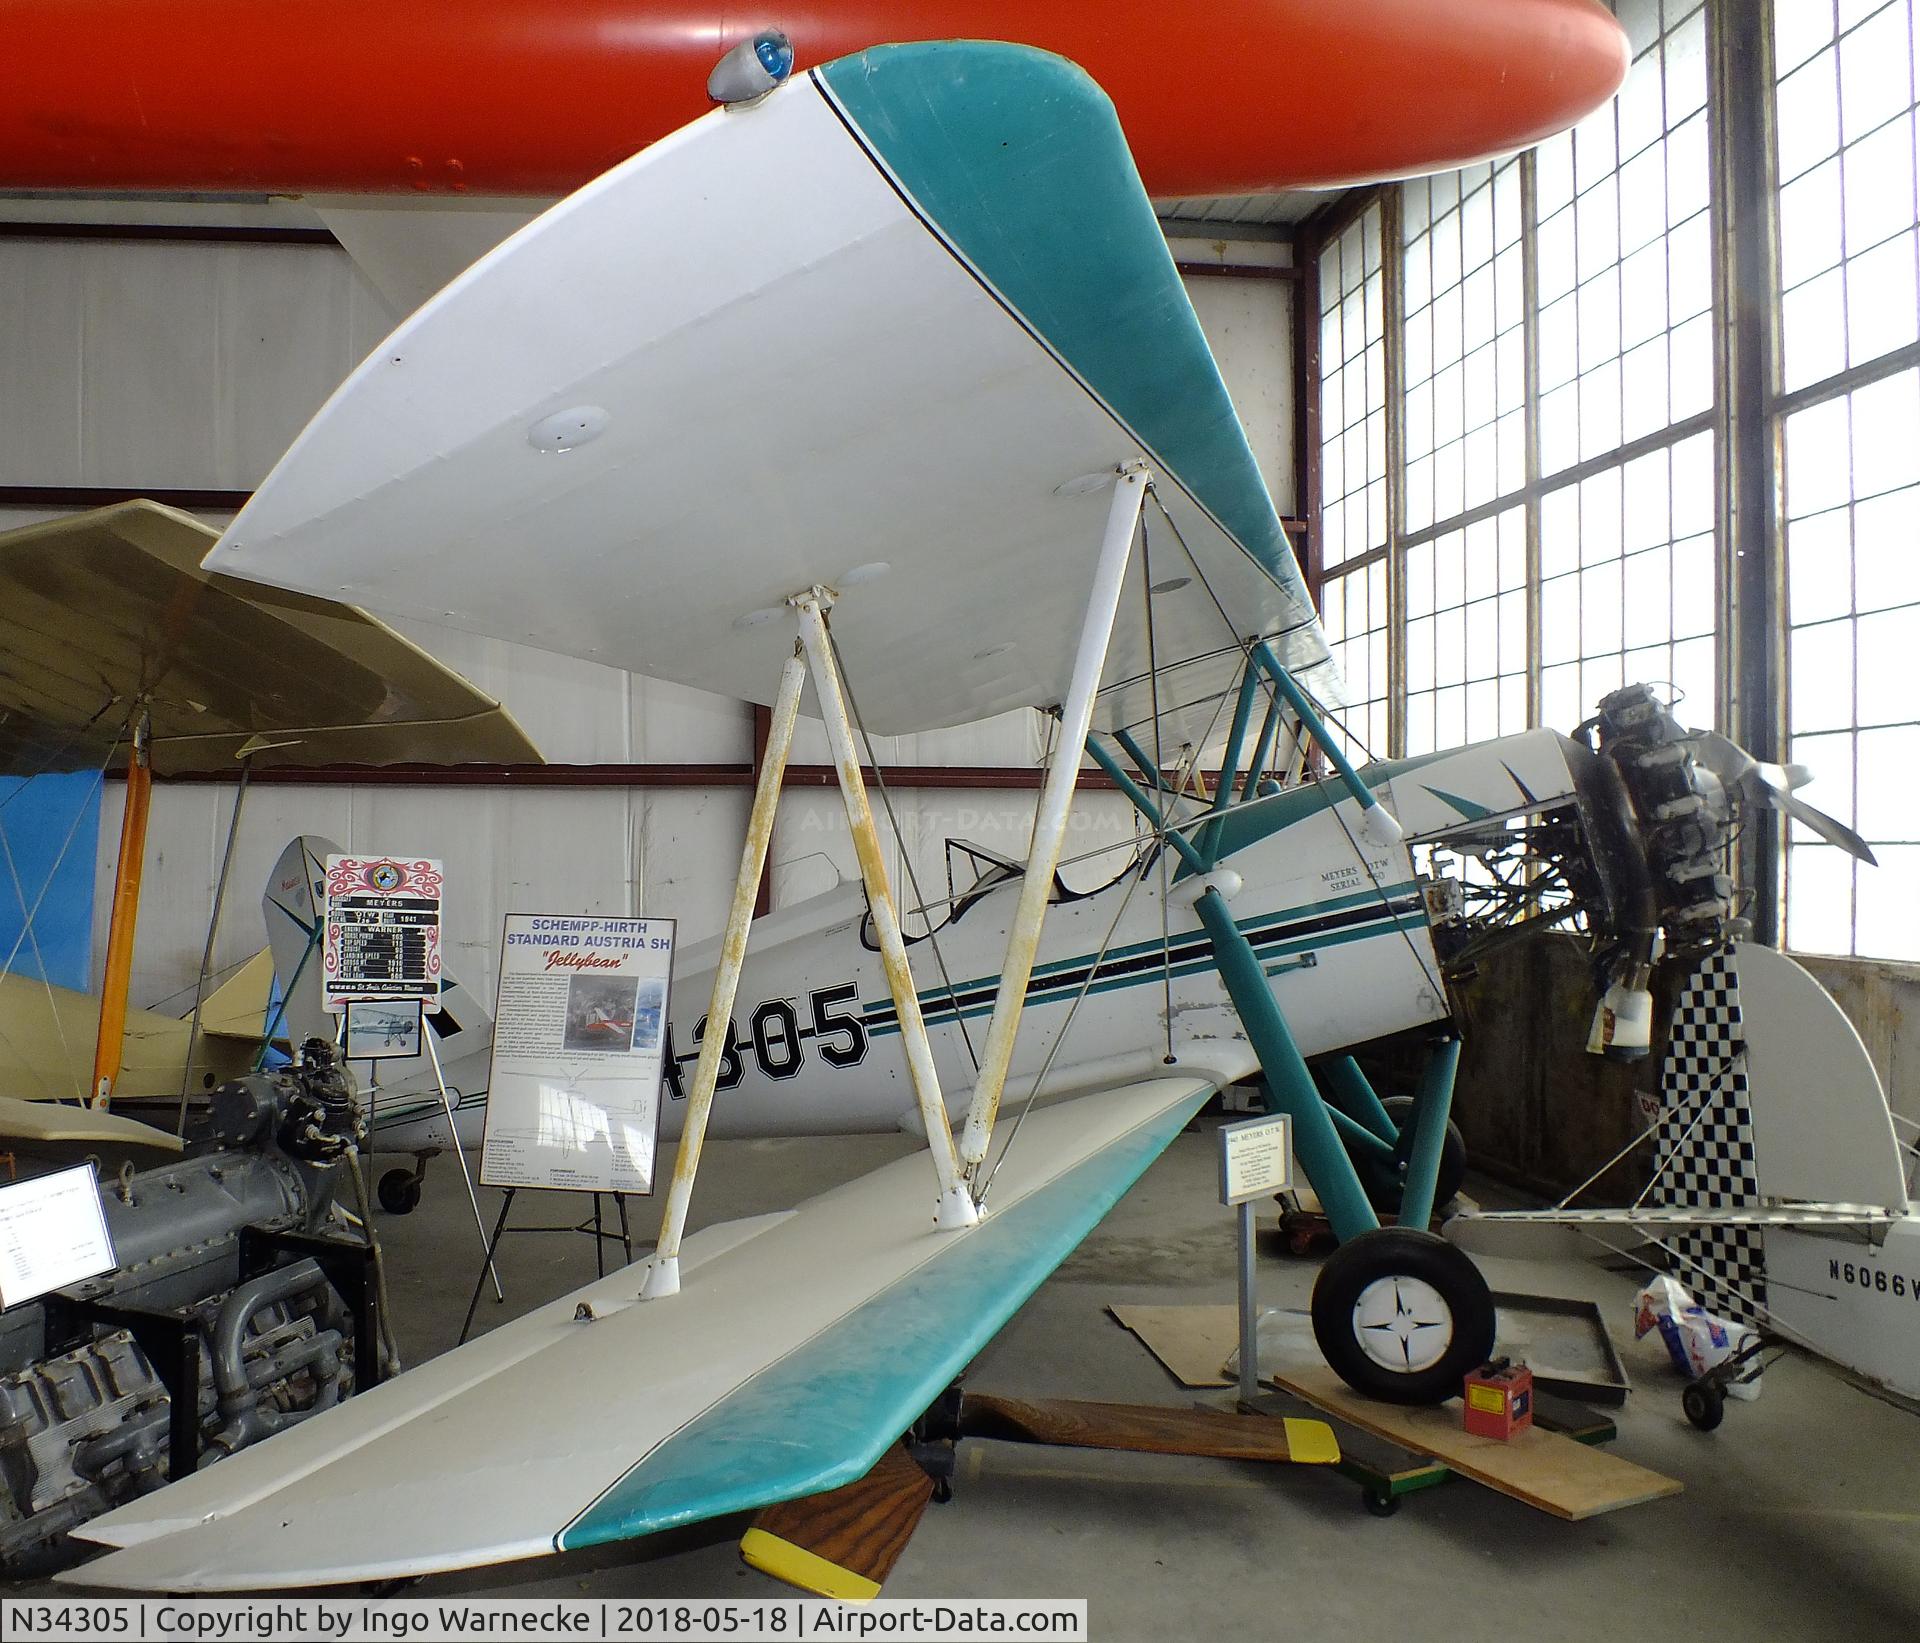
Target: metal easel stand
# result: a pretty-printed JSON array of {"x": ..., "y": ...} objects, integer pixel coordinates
[
  {"x": 460, "y": 1152},
  {"x": 589, "y": 1226}
]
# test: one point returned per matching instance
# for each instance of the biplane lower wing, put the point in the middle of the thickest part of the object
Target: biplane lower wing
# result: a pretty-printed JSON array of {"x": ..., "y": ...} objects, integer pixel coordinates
[{"x": 801, "y": 1346}]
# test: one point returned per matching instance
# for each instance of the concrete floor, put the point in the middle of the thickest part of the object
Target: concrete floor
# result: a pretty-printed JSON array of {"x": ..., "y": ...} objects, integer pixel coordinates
[{"x": 1800, "y": 1517}]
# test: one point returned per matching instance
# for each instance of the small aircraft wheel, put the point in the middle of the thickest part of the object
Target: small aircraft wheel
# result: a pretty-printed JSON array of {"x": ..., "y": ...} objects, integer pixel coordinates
[
  {"x": 399, "y": 1192},
  {"x": 1379, "y": 1503},
  {"x": 1703, "y": 1404},
  {"x": 1384, "y": 1191},
  {"x": 1401, "y": 1315}
]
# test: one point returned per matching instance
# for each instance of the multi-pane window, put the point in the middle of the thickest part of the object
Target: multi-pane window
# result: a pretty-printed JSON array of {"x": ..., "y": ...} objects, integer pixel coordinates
[
  {"x": 1555, "y": 525},
  {"x": 1353, "y": 395},
  {"x": 1844, "y": 161},
  {"x": 1623, "y": 253},
  {"x": 1627, "y": 585},
  {"x": 1353, "y": 470},
  {"x": 1354, "y": 611},
  {"x": 1852, "y": 495},
  {"x": 1844, "y": 118},
  {"x": 1463, "y": 357},
  {"x": 1464, "y": 366},
  {"x": 1467, "y": 633}
]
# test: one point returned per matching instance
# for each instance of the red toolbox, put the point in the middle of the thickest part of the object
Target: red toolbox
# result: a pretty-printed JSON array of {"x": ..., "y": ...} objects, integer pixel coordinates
[{"x": 1499, "y": 1399}]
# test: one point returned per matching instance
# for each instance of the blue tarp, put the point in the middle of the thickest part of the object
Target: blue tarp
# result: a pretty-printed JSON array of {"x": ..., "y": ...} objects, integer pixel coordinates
[{"x": 49, "y": 820}]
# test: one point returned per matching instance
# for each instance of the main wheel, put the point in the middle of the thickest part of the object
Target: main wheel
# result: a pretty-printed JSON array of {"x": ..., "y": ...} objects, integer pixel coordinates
[
  {"x": 1402, "y": 1315},
  {"x": 399, "y": 1192},
  {"x": 1383, "y": 1187}
]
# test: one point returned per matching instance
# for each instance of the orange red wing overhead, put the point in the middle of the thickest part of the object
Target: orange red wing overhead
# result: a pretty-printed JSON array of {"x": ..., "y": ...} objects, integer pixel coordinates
[{"x": 535, "y": 97}]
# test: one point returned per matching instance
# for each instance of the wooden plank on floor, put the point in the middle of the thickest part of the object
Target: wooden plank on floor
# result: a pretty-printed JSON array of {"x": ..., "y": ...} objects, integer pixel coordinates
[
  {"x": 1191, "y": 1342},
  {"x": 1542, "y": 1469},
  {"x": 844, "y": 1543},
  {"x": 1148, "y": 1429}
]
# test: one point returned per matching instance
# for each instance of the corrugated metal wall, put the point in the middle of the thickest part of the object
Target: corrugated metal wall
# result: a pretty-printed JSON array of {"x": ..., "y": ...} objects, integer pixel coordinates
[{"x": 190, "y": 365}]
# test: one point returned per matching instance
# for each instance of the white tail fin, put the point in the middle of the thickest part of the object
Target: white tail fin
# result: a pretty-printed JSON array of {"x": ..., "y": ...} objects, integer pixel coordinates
[{"x": 292, "y": 906}]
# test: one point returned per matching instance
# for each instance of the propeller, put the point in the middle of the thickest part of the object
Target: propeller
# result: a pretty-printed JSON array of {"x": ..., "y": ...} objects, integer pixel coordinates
[{"x": 1774, "y": 784}]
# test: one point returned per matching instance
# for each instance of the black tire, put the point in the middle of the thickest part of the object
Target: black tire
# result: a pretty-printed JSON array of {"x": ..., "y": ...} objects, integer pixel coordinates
[
  {"x": 1704, "y": 1405},
  {"x": 1383, "y": 1186},
  {"x": 1447, "y": 1281},
  {"x": 399, "y": 1192},
  {"x": 1379, "y": 1503}
]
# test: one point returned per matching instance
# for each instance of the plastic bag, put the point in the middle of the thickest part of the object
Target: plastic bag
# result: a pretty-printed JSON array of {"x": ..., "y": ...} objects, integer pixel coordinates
[{"x": 1696, "y": 1339}]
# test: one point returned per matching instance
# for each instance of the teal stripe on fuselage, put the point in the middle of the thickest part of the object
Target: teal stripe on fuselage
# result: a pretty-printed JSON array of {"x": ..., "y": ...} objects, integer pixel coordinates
[
  {"x": 822, "y": 1415},
  {"x": 1195, "y": 967},
  {"x": 966, "y": 127},
  {"x": 937, "y": 1006}
]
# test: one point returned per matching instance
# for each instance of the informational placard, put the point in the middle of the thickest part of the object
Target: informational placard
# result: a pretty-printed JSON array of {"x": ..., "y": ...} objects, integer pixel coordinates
[
  {"x": 53, "y": 1232},
  {"x": 1256, "y": 1159},
  {"x": 382, "y": 1030},
  {"x": 573, "y": 1101},
  {"x": 382, "y": 930}
]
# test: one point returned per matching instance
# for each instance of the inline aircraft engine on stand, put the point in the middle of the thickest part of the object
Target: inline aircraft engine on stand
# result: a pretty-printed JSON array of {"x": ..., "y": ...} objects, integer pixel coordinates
[{"x": 237, "y": 1309}]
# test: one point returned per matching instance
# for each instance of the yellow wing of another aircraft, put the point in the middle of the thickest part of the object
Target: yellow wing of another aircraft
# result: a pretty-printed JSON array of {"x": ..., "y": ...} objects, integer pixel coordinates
[
  {"x": 115, "y": 645},
  {"x": 108, "y": 610}
]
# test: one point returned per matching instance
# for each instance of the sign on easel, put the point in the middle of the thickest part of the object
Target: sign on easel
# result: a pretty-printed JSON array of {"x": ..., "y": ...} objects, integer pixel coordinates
[
  {"x": 53, "y": 1232},
  {"x": 382, "y": 930},
  {"x": 573, "y": 1101}
]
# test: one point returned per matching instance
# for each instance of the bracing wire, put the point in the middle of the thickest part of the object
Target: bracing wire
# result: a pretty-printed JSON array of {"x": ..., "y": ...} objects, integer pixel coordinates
[
  {"x": 30, "y": 914},
  {"x": 39, "y": 959},
  {"x": 1060, "y": 1037},
  {"x": 1159, "y": 764}
]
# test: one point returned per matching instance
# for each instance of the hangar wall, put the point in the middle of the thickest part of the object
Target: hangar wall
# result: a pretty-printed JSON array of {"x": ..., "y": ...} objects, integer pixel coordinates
[{"x": 161, "y": 364}]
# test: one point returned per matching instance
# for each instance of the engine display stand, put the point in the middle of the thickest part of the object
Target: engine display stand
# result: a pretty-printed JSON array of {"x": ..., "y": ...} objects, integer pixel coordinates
[{"x": 171, "y": 1337}]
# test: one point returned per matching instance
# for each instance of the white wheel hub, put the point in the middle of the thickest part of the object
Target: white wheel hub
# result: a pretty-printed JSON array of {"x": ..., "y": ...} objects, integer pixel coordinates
[{"x": 1402, "y": 1324}]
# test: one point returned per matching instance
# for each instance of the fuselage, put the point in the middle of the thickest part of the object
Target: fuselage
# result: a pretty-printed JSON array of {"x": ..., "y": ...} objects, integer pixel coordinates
[{"x": 1341, "y": 929}]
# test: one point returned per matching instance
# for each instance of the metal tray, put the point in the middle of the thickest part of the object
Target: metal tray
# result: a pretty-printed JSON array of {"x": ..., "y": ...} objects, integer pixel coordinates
[{"x": 1564, "y": 1342}]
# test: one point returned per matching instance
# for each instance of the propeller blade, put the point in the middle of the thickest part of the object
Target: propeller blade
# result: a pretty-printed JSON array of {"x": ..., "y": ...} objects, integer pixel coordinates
[
  {"x": 1828, "y": 827},
  {"x": 1774, "y": 784}
]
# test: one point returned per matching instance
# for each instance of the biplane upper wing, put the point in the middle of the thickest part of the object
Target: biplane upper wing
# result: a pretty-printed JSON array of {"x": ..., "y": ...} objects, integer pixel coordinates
[
  {"x": 107, "y": 611},
  {"x": 801, "y": 1346},
  {"x": 883, "y": 332}
]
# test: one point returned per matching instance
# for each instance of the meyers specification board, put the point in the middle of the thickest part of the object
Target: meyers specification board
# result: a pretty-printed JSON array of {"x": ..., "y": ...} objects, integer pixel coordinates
[
  {"x": 1256, "y": 1159},
  {"x": 383, "y": 930},
  {"x": 573, "y": 1101}
]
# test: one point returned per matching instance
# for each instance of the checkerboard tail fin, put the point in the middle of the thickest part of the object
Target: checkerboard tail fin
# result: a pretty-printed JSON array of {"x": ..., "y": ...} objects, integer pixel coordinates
[{"x": 1768, "y": 1099}]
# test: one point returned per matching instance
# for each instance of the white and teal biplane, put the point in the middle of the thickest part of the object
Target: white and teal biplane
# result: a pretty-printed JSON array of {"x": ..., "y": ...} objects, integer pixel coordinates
[{"x": 885, "y": 383}]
